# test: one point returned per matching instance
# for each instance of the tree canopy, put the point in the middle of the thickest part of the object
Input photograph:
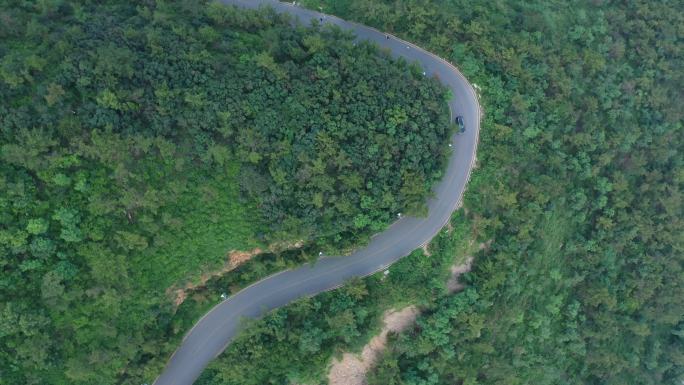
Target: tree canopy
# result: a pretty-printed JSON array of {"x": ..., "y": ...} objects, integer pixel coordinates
[
  {"x": 578, "y": 195},
  {"x": 579, "y": 191},
  {"x": 141, "y": 143}
]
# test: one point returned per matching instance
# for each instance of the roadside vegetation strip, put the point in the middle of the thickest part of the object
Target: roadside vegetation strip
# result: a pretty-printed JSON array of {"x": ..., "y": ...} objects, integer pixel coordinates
[{"x": 297, "y": 341}]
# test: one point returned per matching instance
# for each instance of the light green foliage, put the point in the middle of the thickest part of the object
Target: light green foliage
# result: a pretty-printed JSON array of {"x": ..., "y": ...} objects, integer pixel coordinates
[{"x": 37, "y": 226}]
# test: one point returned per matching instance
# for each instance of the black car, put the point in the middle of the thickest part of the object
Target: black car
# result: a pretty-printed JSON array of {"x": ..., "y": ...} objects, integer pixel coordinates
[{"x": 461, "y": 125}]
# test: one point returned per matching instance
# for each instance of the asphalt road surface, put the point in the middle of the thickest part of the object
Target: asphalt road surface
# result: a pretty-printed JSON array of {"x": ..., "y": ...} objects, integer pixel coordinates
[{"x": 210, "y": 336}]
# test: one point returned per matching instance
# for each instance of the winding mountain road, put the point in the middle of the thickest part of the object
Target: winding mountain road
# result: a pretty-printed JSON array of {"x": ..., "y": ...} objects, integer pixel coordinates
[{"x": 210, "y": 336}]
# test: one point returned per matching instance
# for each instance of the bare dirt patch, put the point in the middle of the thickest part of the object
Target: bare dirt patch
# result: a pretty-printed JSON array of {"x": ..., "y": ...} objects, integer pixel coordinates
[
  {"x": 234, "y": 259},
  {"x": 352, "y": 368},
  {"x": 453, "y": 285}
]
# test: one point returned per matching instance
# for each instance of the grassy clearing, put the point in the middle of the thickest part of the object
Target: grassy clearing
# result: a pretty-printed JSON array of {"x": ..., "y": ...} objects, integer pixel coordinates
[{"x": 213, "y": 221}]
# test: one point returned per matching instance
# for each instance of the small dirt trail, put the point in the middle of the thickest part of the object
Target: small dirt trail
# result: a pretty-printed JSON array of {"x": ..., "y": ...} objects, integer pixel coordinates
[{"x": 352, "y": 369}]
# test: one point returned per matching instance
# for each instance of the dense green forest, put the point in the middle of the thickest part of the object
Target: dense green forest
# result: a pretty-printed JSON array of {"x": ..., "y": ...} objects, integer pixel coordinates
[
  {"x": 141, "y": 143},
  {"x": 578, "y": 188}
]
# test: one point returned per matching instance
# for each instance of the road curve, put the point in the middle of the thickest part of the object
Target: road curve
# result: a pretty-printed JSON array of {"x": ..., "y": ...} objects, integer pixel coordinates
[{"x": 210, "y": 336}]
